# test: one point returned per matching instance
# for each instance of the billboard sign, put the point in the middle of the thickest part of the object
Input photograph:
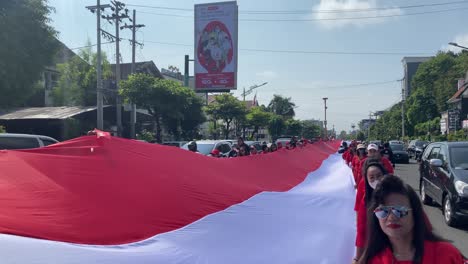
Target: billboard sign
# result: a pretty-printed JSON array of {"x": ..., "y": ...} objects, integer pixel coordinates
[{"x": 216, "y": 27}]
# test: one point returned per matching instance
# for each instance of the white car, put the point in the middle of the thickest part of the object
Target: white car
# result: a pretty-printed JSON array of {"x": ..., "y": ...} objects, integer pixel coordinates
[
  {"x": 24, "y": 141},
  {"x": 205, "y": 147}
]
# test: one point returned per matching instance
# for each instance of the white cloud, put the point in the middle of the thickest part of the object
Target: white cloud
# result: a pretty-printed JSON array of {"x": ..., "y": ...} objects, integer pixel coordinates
[
  {"x": 267, "y": 74},
  {"x": 328, "y": 10},
  {"x": 461, "y": 39}
]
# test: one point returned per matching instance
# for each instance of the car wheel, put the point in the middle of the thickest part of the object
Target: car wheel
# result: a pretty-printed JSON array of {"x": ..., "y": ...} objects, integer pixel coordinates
[
  {"x": 448, "y": 212},
  {"x": 424, "y": 197}
]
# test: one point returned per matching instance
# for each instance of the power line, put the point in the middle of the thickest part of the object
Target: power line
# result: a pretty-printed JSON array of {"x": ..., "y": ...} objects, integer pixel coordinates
[
  {"x": 304, "y": 51},
  {"x": 91, "y": 45},
  {"x": 354, "y": 18},
  {"x": 276, "y": 12},
  {"x": 325, "y": 19}
]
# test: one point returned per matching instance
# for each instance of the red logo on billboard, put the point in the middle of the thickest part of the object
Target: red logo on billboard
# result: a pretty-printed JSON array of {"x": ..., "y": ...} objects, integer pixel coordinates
[{"x": 215, "y": 48}]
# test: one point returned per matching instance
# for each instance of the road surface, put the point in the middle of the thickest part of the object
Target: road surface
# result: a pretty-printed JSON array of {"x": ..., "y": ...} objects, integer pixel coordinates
[{"x": 459, "y": 236}]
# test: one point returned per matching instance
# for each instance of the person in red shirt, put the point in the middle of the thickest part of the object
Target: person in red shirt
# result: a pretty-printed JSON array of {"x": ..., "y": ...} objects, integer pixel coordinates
[
  {"x": 399, "y": 232},
  {"x": 360, "y": 155},
  {"x": 373, "y": 174},
  {"x": 351, "y": 153},
  {"x": 373, "y": 153}
]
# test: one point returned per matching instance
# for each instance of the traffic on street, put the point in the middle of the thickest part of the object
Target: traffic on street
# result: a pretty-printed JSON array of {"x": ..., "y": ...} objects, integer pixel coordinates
[{"x": 458, "y": 235}]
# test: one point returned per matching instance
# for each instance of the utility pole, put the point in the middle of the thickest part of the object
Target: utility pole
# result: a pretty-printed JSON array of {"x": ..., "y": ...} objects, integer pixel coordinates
[
  {"x": 325, "y": 122},
  {"x": 134, "y": 28},
  {"x": 369, "y": 125},
  {"x": 403, "y": 99},
  {"x": 99, "y": 98},
  {"x": 117, "y": 18},
  {"x": 187, "y": 70}
]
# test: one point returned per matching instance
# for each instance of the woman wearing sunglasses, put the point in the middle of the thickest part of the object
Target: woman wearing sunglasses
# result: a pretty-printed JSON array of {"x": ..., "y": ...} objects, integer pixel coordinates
[
  {"x": 373, "y": 174},
  {"x": 399, "y": 232}
]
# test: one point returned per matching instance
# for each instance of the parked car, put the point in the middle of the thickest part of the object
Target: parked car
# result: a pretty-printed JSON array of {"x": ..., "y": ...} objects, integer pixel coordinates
[
  {"x": 399, "y": 153},
  {"x": 24, "y": 141},
  {"x": 396, "y": 142},
  {"x": 205, "y": 147},
  {"x": 178, "y": 144},
  {"x": 444, "y": 179},
  {"x": 416, "y": 147}
]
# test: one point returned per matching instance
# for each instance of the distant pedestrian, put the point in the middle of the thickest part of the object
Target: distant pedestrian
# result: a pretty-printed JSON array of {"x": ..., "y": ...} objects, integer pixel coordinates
[
  {"x": 273, "y": 147},
  {"x": 265, "y": 149},
  {"x": 215, "y": 153},
  {"x": 387, "y": 153},
  {"x": 192, "y": 146},
  {"x": 241, "y": 143},
  {"x": 243, "y": 151},
  {"x": 253, "y": 150}
]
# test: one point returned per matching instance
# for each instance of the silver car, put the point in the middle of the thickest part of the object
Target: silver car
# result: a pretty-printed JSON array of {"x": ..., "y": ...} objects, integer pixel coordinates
[
  {"x": 205, "y": 147},
  {"x": 24, "y": 141}
]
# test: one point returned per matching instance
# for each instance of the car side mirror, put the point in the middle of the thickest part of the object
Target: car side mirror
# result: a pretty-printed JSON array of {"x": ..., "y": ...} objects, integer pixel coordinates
[{"x": 436, "y": 163}]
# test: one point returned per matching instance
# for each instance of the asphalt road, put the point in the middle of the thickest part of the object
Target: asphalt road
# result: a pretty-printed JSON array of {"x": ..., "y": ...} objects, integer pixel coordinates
[{"x": 459, "y": 236}]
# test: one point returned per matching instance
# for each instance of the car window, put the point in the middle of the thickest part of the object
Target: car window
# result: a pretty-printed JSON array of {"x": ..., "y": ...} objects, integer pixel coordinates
[
  {"x": 442, "y": 155},
  {"x": 205, "y": 149},
  {"x": 18, "y": 143},
  {"x": 47, "y": 142},
  {"x": 397, "y": 147},
  {"x": 224, "y": 148},
  {"x": 459, "y": 157},
  {"x": 427, "y": 152},
  {"x": 435, "y": 153}
]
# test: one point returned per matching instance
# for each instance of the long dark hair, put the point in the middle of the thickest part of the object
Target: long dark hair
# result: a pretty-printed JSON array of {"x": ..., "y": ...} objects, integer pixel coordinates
[
  {"x": 369, "y": 190},
  {"x": 377, "y": 240}
]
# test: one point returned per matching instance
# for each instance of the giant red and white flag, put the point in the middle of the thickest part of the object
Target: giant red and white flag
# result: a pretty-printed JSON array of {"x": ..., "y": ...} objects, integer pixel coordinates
[{"x": 100, "y": 199}]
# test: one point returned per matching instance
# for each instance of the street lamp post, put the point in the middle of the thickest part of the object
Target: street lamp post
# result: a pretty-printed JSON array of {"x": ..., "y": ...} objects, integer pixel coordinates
[
  {"x": 325, "y": 122},
  {"x": 245, "y": 93},
  {"x": 458, "y": 46}
]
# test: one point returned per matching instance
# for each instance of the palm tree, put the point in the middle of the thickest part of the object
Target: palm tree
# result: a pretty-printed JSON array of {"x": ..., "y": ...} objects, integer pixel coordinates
[{"x": 282, "y": 106}]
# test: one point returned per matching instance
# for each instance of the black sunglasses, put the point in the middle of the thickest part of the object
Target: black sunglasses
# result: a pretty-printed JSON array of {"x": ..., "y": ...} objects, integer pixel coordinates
[{"x": 398, "y": 211}]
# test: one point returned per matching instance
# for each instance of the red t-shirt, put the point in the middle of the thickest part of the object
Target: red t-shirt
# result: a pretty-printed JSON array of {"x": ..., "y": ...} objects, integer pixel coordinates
[
  {"x": 349, "y": 158},
  {"x": 361, "y": 223},
  {"x": 434, "y": 253},
  {"x": 345, "y": 154},
  {"x": 361, "y": 190}
]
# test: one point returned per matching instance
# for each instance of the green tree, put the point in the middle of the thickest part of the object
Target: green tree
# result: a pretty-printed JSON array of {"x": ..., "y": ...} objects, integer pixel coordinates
[
  {"x": 421, "y": 107},
  {"x": 77, "y": 82},
  {"x": 343, "y": 135},
  {"x": 2, "y": 129},
  {"x": 28, "y": 46},
  {"x": 282, "y": 106},
  {"x": 361, "y": 136},
  {"x": 187, "y": 115},
  {"x": 294, "y": 127},
  {"x": 276, "y": 126},
  {"x": 257, "y": 118},
  {"x": 310, "y": 130},
  {"x": 433, "y": 85},
  {"x": 388, "y": 126},
  {"x": 167, "y": 101},
  {"x": 227, "y": 108}
]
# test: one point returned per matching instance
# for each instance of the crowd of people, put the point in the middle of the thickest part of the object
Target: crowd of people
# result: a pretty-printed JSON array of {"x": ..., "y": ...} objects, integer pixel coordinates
[
  {"x": 392, "y": 227},
  {"x": 241, "y": 149}
]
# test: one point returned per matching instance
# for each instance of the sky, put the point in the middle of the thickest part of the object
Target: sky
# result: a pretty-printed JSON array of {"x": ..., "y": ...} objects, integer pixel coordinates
[{"x": 333, "y": 64}]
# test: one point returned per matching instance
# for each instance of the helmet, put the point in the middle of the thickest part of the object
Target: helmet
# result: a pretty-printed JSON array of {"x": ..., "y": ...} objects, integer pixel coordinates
[{"x": 192, "y": 146}]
